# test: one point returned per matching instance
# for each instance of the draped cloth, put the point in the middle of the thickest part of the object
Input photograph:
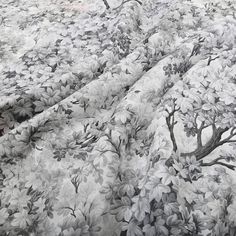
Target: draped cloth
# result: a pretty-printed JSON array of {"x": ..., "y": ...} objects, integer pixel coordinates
[{"x": 118, "y": 121}]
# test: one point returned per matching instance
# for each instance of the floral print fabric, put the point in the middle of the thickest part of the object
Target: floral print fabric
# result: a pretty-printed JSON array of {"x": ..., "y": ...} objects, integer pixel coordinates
[{"x": 117, "y": 119}]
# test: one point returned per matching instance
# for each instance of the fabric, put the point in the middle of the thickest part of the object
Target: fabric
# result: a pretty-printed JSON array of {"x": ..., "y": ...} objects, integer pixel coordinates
[{"x": 117, "y": 118}]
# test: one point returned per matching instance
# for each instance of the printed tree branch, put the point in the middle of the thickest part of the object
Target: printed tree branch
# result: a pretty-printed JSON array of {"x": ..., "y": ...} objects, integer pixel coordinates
[
  {"x": 116, "y": 146},
  {"x": 72, "y": 211},
  {"x": 229, "y": 166},
  {"x": 229, "y": 138},
  {"x": 76, "y": 182},
  {"x": 199, "y": 130},
  {"x": 210, "y": 59},
  {"x": 197, "y": 47},
  {"x": 217, "y": 161},
  {"x": 215, "y": 141},
  {"x": 106, "y": 4},
  {"x": 201, "y": 150},
  {"x": 170, "y": 121}
]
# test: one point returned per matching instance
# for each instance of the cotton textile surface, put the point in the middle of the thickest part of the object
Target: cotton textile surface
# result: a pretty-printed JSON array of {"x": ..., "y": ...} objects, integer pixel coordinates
[{"x": 117, "y": 119}]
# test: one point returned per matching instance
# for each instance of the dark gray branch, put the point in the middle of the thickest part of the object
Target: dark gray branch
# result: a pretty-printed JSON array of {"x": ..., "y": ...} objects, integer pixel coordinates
[
  {"x": 72, "y": 211},
  {"x": 211, "y": 145},
  {"x": 76, "y": 182},
  {"x": 229, "y": 138},
  {"x": 210, "y": 59},
  {"x": 170, "y": 121},
  {"x": 106, "y": 4},
  {"x": 212, "y": 163},
  {"x": 114, "y": 145}
]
